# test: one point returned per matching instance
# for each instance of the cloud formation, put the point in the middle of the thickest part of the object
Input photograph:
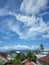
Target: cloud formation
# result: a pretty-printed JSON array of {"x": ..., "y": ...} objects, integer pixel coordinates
[
  {"x": 32, "y": 6},
  {"x": 19, "y": 47},
  {"x": 33, "y": 26},
  {"x": 28, "y": 25}
]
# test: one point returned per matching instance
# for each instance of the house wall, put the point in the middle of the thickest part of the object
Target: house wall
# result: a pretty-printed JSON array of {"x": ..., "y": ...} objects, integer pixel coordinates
[{"x": 38, "y": 63}]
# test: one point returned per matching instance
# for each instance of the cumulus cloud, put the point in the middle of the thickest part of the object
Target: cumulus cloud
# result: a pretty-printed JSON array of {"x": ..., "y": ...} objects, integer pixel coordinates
[{"x": 19, "y": 47}]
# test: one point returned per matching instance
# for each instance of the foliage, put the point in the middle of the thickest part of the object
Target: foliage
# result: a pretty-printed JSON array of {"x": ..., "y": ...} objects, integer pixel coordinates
[
  {"x": 41, "y": 47},
  {"x": 17, "y": 60},
  {"x": 31, "y": 57},
  {"x": 20, "y": 57},
  {"x": 2, "y": 62}
]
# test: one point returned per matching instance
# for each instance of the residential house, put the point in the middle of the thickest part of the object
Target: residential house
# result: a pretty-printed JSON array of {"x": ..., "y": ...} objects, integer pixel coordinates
[
  {"x": 43, "y": 60},
  {"x": 3, "y": 56},
  {"x": 40, "y": 55}
]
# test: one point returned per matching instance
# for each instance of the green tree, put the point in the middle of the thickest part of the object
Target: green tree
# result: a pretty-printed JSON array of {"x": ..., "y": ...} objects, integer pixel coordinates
[
  {"x": 31, "y": 56},
  {"x": 2, "y": 62},
  {"x": 41, "y": 47},
  {"x": 18, "y": 59},
  {"x": 20, "y": 56},
  {"x": 15, "y": 61}
]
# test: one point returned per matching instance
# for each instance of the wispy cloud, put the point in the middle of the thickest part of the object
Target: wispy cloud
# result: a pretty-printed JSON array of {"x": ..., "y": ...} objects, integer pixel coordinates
[
  {"x": 46, "y": 35},
  {"x": 33, "y": 25},
  {"x": 44, "y": 13},
  {"x": 36, "y": 26}
]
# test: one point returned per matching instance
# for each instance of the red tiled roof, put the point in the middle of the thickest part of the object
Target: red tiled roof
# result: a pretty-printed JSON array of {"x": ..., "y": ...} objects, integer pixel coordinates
[
  {"x": 30, "y": 63},
  {"x": 3, "y": 55},
  {"x": 44, "y": 59}
]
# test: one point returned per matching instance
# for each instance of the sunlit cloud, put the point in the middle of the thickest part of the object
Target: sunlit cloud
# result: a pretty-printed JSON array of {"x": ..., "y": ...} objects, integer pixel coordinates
[{"x": 20, "y": 47}]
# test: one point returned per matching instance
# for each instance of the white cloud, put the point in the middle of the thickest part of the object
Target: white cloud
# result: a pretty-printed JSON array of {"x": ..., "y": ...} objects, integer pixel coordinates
[
  {"x": 32, "y": 6},
  {"x": 7, "y": 35},
  {"x": 36, "y": 26},
  {"x": 46, "y": 49},
  {"x": 46, "y": 35},
  {"x": 4, "y": 11},
  {"x": 19, "y": 47},
  {"x": 33, "y": 25},
  {"x": 44, "y": 13},
  {"x": 35, "y": 47},
  {"x": 9, "y": 5}
]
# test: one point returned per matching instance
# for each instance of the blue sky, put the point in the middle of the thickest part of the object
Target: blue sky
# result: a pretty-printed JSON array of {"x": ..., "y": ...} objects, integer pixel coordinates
[{"x": 24, "y": 24}]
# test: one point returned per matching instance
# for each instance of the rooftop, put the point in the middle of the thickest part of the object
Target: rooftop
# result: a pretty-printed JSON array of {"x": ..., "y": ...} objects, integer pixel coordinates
[
  {"x": 45, "y": 59},
  {"x": 30, "y": 63}
]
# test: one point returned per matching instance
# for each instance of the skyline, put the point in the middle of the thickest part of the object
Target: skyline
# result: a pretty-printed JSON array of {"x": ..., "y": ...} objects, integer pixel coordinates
[{"x": 24, "y": 24}]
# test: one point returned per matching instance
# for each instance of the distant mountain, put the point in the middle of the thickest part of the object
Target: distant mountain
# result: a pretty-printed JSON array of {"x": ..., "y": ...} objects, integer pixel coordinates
[{"x": 21, "y": 51}]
